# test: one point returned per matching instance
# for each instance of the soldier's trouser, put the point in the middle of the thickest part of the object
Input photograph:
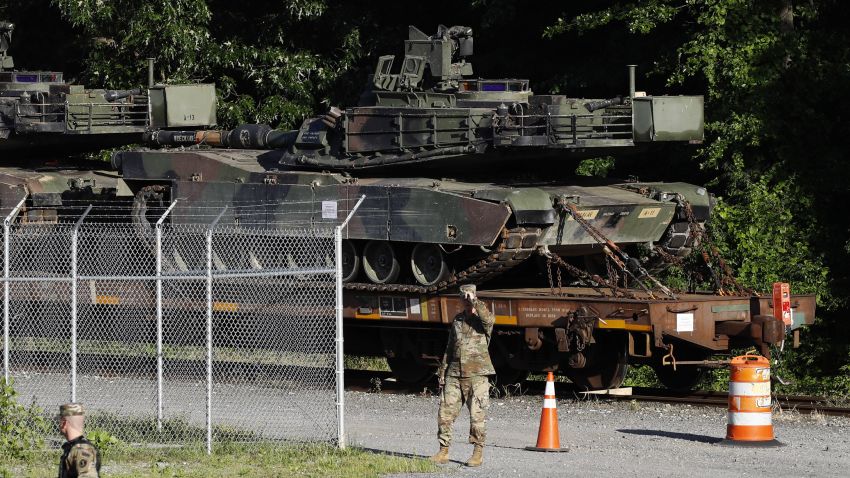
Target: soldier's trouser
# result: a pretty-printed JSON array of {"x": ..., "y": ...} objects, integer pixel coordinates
[{"x": 475, "y": 393}]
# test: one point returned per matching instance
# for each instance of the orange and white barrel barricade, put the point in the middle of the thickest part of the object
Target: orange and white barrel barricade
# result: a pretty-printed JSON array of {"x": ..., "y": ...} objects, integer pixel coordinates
[
  {"x": 548, "y": 437},
  {"x": 749, "y": 421}
]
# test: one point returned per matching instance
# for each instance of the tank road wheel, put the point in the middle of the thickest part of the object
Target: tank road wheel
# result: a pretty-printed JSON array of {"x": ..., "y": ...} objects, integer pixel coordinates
[
  {"x": 408, "y": 370},
  {"x": 380, "y": 262},
  {"x": 429, "y": 264},
  {"x": 350, "y": 261},
  {"x": 605, "y": 365}
]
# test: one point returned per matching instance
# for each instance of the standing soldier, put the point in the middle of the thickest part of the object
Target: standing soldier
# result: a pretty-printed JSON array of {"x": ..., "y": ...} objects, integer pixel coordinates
[
  {"x": 463, "y": 375},
  {"x": 79, "y": 458}
]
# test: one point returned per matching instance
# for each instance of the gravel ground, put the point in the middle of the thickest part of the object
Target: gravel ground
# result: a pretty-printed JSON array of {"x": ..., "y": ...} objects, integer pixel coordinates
[
  {"x": 603, "y": 438},
  {"x": 270, "y": 412}
]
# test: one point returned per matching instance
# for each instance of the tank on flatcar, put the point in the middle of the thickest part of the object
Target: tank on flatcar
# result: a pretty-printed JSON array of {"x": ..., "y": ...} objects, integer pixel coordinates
[{"x": 464, "y": 178}]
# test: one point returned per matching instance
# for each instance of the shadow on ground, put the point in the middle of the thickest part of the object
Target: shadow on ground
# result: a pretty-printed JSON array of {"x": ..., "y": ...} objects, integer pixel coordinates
[
  {"x": 676, "y": 435},
  {"x": 393, "y": 453}
]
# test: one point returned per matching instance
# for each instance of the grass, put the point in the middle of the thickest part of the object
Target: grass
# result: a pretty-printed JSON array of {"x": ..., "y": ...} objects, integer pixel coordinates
[
  {"x": 230, "y": 459},
  {"x": 262, "y": 356},
  {"x": 356, "y": 362},
  {"x": 175, "y": 430}
]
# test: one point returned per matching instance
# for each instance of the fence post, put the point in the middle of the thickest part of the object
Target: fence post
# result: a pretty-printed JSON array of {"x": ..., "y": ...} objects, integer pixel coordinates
[
  {"x": 209, "y": 328},
  {"x": 340, "y": 371},
  {"x": 75, "y": 233},
  {"x": 6, "y": 230},
  {"x": 159, "y": 315}
]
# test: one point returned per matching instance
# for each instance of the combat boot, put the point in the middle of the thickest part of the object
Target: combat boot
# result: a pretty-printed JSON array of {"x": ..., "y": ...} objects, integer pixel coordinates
[
  {"x": 477, "y": 456},
  {"x": 442, "y": 456}
]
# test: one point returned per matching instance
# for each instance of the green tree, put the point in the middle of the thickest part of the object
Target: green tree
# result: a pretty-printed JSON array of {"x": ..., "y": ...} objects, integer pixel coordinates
[
  {"x": 773, "y": 72},
  {"x": 272, "y": 63}
]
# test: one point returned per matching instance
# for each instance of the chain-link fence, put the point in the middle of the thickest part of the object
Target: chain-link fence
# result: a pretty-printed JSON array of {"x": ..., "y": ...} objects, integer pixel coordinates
[{"x": 174, "y": 333}]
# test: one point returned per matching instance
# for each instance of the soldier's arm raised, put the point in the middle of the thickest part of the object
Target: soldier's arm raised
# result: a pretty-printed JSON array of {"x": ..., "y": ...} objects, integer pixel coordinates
[{"x": 487, "y": 317}]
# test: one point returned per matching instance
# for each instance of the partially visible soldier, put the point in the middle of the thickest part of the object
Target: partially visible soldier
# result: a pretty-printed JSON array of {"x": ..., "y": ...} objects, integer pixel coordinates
[
  {"x": 80, "y": 458},
  {"x": 463, "y": 375}
]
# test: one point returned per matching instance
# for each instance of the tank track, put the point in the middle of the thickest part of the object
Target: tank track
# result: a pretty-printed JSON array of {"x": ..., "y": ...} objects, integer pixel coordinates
[
  {"x": 516, "y": 245},
  {"x": 680, "y": 238}
]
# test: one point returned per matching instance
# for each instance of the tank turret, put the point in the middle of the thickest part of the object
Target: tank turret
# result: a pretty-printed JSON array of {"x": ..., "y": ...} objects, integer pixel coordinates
[
  {"x": 433, "y": 110},
  {"x": 41, "y": 114}
]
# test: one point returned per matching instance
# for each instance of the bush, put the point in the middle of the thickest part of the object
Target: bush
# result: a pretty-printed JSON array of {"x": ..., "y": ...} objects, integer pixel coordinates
[
  {"x": 22, "y": 429},
  {"x": 103, "y": 441}
]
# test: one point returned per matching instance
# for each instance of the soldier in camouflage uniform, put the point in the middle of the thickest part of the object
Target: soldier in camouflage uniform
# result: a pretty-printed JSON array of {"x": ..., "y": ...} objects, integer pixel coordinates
[
  {"x": 80, "y": 458},
  {"x": 463, "y": 375}
]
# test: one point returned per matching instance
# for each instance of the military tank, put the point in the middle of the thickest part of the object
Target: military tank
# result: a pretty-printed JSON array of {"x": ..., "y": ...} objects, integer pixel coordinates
[
  {"x": 44, "y": 121},
  {"x": 451, "y": 167}
]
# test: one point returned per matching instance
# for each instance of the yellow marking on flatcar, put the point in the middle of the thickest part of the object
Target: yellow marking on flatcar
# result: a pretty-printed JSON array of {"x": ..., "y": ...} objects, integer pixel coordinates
[
  {"x": 225, "y": 306},
  {"x": 586, "y": 214},
  {"x": 107, "y": 299},
  {"x": 649, "y": 212},
  {"x": 621, "y": 324},
  {"x": 369, "y": 316},
  {"x": 506, "y": 319}
]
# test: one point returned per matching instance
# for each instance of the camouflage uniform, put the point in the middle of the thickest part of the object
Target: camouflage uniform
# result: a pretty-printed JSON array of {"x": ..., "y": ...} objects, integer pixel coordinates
[
  {"x": 80, "y": 458},
  {"x": 465, "y": 367}
]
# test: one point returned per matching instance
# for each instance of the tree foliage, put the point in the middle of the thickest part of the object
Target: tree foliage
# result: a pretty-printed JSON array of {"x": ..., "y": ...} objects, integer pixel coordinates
[
  {"x": 773, "y": 72},
  {"x": 271, "y": 62}
]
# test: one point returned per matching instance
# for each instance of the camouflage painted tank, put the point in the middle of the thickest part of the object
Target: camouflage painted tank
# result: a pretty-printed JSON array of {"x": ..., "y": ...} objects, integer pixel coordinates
[
  {"x": 44, "y": 120},
  {"x": 411, "y": 130}
]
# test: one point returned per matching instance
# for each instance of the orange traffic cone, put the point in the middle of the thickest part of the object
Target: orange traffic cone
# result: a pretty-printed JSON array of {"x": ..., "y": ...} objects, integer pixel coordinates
[
  {"x": 548, "y": 437},
  {"x": 749, "y": 421}
]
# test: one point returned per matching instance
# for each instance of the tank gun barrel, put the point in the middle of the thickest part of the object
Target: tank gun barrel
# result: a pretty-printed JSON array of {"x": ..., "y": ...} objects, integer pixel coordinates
[
  {"x": 115, "y": 95},
  {"x": 598, "y": 105},
  {"x": 249, "y": 136}
]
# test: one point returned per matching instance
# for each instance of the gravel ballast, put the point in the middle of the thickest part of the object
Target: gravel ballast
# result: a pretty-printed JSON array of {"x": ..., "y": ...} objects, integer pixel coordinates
[{"x": 604, "y": 438}]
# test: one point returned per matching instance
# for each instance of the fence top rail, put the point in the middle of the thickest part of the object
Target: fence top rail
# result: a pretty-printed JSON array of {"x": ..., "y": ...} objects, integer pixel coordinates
[
  {"x": 236, "y": 274},
  {"x": 295, "y": 230}
]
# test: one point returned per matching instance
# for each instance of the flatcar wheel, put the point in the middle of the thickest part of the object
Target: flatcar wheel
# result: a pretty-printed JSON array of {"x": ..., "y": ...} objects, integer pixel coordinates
[
  {"x": 350, "y": 261},
  {"x": 683, "y": 379},
  {"x": 599, "y": 378},
  {"x": 606, "y": 365},
  {"x": 380, "y": 262},
  {"x": 408, "y": 370},
  {"x": 428, "y": 264}
]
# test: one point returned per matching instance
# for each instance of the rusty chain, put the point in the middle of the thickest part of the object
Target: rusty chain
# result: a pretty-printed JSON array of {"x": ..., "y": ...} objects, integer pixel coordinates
[
  {"x": 591, "y": 280},
  {"x": 726, "y": 283},
  {"x": 617, "y": 255}
]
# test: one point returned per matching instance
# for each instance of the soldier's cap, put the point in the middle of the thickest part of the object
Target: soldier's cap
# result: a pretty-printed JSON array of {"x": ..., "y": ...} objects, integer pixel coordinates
[
  {"x": 71, "y": 409},
  {"x": 467, "y": 289}
]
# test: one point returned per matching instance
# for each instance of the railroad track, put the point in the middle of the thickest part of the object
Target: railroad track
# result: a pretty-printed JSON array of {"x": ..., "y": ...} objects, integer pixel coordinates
[
  {"x": 800, "y": 403},
  {"x": 382, "y": 382}
]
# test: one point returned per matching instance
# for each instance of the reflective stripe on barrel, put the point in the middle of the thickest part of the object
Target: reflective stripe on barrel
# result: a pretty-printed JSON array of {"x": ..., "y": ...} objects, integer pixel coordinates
[{"x": 749, "y": 417}]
